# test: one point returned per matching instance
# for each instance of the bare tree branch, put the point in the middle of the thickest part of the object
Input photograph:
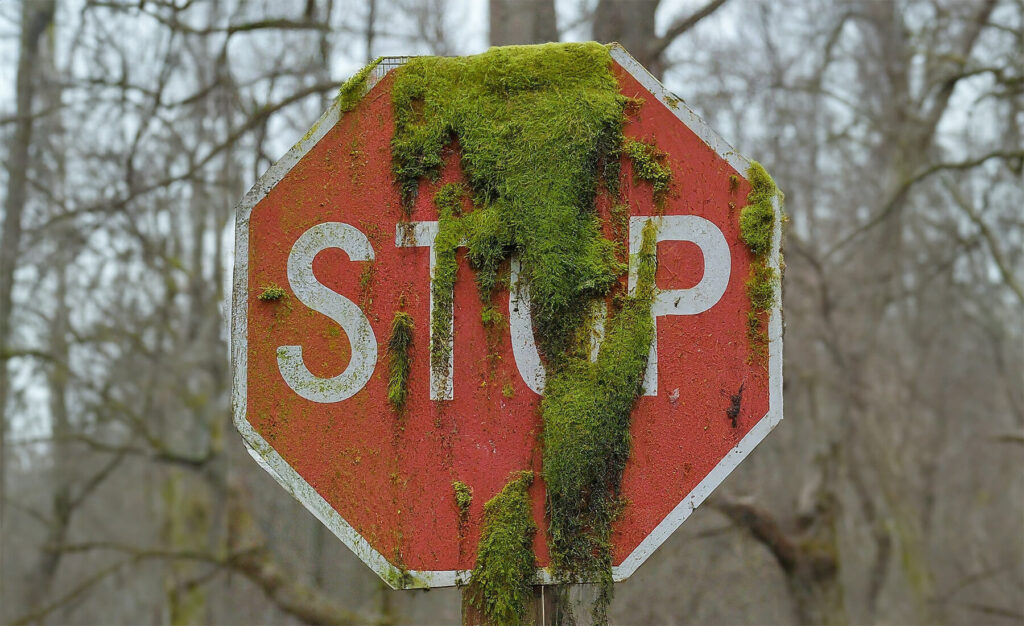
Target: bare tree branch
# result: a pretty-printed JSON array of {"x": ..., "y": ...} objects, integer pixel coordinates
[{"x": 681, "y": 26}]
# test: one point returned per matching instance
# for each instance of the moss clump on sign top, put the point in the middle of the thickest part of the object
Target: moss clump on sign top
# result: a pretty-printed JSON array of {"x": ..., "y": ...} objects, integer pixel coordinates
[
  {"x": 539, "y": 130},
  {"x": 352, "y": 90},
  {"x": 534, "y": 125}
]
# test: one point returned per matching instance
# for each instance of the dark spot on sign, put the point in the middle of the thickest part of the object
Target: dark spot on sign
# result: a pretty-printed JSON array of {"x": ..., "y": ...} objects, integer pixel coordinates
[{"x": 733, "y": 412}]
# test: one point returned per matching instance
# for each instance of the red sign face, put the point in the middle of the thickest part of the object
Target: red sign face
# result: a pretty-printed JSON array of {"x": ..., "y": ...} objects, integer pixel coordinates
[{"x": 311, "y": 375}]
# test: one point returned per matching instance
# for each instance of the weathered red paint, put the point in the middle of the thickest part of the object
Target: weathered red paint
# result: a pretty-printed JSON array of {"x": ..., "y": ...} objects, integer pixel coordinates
[{"x": 391, "y": 476}]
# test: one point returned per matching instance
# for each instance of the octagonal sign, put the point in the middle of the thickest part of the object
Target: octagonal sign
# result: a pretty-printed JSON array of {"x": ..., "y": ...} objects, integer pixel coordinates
[{"x": 326, "y": 254}]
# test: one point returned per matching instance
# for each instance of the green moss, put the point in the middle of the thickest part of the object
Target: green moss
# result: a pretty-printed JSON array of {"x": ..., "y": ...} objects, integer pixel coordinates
[
  {"x": 649, "y": 165},
  {"x": 757, "y": 228},
  {"x": 271, "y": 293},
  {"x": 463, "y": 497},
  {"x": 619, "y": 214},
  {"x": 757, "y": 219},
  {"x": 491, "y": 317},
  {"x": 399, "y": 348},
  {"x": 353, "y": 89},
  {"x": 502, "y": 581},
  {"x": 508, "y": 391},
  {"x": 538, "y": 131},
  {"x": 449, "y": 197},
  {"x": 586, "y": 410},
  {"x": 761, "y": 286},
  {"x": 442, "y": 287},
  {"x": 536, "y": 127}
]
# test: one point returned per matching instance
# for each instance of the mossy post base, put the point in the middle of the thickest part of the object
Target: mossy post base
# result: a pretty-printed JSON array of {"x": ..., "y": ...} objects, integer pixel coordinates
[{"x": 543, "y": 609}]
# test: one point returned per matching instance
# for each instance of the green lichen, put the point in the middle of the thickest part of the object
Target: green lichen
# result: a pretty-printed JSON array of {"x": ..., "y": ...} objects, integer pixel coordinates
[
  {"x": 399, "y": 578},
  {"x": 272, "y": 293},
  {"x": 399, "y": 348},
  {"x": 757, "y": 228},
  {"x": 353, "y": 89},
  {"x": 463, "y": 497},
  {"x": 502, "y": 581},
  {"x": 538, "y": 130},
  {"x": 649, "y": 164}
]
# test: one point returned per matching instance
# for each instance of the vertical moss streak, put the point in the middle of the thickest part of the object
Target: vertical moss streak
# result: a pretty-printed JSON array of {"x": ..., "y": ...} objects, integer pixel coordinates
[
  {"x": 399, "y": 347},
  {"x": 757, "y": 227},
  {"x": 586, "y": 410}
]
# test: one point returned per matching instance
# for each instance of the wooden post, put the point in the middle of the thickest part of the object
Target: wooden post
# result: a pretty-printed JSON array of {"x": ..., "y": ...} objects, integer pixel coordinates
[{"x": 543, "y": 609}]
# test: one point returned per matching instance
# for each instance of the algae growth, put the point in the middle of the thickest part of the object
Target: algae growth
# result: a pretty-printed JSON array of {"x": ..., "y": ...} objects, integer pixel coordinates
[{"x": 538, "y": 130}]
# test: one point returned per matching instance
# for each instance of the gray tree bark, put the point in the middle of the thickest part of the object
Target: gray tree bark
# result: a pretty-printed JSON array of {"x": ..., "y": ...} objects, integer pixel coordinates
[
  {"x": 515, "y": 22},
  {"x": 36, "y": 18}
]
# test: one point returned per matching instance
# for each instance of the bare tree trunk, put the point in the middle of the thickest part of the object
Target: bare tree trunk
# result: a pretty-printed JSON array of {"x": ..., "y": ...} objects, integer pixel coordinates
[
  {"x": 61, "y": 474},
  {"x": 36, "y": 18},
  {"x": 631, "y": 23},
  {"x": 371, "y": 25},
  {"x": 522, "y": 22}
]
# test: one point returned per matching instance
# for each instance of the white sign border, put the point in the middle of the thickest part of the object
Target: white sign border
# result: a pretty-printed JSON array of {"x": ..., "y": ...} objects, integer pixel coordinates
[{"x": 276, "y": 466}]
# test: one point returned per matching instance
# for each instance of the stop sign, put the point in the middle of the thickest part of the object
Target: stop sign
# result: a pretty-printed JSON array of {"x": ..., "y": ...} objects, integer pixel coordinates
[{"x": 326, "y": 256}]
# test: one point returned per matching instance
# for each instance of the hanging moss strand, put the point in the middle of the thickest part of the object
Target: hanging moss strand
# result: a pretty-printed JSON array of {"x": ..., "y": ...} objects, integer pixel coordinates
[
  {"x": 399, "y": 366},
  {"x": 586, "y": 410},
  {"x": 757, "y": 227}
]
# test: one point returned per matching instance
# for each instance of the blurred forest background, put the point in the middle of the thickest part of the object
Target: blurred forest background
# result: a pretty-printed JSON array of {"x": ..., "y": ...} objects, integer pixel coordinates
[{"x": 893, "y": 492}]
